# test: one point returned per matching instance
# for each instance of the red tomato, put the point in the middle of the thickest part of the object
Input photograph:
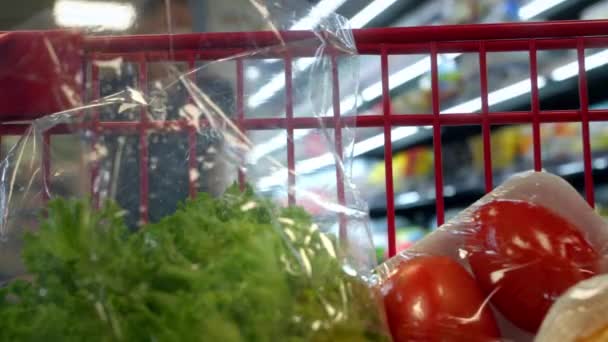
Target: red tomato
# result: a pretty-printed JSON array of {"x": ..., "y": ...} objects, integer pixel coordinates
[
  {"x": 526, "y": 256},
  {"x": 434, "y": 298}
]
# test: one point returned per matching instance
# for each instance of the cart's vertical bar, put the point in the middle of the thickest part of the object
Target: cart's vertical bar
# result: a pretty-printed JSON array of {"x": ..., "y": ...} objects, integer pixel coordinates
[
  {"x": 95, "y": 131},
  {"x": 84, "y": 95},
  {"x": 143, "y": 143},
  {"x": 338, "y": 143},
  {"x": 584, "y": 100},
  {"x": 437, "y": 136},
  {"x": 388, "y": 155},
  {"x": 485, "y": 110},
  {"x": 240, "y": 115},
  {"x": 46, "y": 166},
  {"x": 86, "y": 98},
  {"x": 193, "y": 175},
  {"x": 535, "y": 107},
  {"x": 291, "y": 162}
]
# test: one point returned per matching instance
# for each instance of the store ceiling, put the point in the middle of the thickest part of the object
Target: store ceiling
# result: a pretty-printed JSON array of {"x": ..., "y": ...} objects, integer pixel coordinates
[
  {"x": 37, "y": 14},
  {"x": 16, "y": 12}
]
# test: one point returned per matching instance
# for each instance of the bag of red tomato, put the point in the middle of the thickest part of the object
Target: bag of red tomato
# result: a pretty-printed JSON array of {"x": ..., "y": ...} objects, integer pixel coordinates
[{"x": 494, "y": 271}]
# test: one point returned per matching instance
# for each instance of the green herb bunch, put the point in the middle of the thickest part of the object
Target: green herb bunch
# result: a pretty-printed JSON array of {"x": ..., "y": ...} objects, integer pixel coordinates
[{"x": 235, "y": 268}]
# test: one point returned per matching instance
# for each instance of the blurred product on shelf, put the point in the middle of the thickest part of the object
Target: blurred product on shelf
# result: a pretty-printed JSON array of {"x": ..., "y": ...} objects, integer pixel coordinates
[
  {"x": 505, "y": 10},
  {"x": 561, "y": 141},
  {"x": 506, "y": 144},
  {"x": 458, "y": 167},
  {"x": 412, "y": 169},
  {"x": 417, "y": 98},
  {"x": 407, "y": 233},
  {"x": 463, "y": 165},
  {"x": 511, "y": 150},
  {"x": 470, "y": 11}
]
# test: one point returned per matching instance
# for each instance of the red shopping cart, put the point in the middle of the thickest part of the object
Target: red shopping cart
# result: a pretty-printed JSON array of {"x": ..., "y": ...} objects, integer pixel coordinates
[{"x": 432, "y": 41}]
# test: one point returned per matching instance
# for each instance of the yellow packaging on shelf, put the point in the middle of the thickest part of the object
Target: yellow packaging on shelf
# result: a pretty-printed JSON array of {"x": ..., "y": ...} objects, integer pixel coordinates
[
  {"x": 505, "y": 147},
  {"x": 377, "y": 175},
  {"x": 424, "y": 162},
  {"x": 599, "y": 136},
  {"x": 412, "y": 163}
]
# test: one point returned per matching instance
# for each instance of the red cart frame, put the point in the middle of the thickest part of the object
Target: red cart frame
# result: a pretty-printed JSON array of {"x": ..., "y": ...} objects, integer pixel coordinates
[{"x": 384, "y": 42}]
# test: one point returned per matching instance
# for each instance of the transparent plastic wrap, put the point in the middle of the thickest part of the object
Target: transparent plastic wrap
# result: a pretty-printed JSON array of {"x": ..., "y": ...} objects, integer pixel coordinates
[
  {"x": 494, "y": 271},
  {"x": 579, "y": 315},
  {"x": 158, "y": 211}
]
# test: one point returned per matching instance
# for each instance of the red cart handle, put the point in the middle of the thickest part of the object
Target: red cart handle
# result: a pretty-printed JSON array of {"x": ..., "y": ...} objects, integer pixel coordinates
[{"x": 40, "y": 73}]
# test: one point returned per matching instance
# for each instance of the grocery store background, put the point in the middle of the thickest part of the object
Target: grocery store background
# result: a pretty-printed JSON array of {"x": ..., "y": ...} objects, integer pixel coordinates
[{"x": 410, "y": 88}]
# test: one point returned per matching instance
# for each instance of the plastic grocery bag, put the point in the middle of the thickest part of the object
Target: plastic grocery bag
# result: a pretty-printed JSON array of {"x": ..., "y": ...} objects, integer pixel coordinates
[
  {"x": 579, "y": 314},
  {"x": 159, "y": 211},
  {"x": 494, "y": 271}
]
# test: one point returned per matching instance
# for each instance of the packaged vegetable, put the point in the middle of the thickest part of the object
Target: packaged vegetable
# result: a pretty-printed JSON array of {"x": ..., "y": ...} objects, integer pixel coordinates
[
  {"x": 496, "y": 269},
  {"x": 579, "y": 315},
  {"x": 216, "y": 270},
  {"x": 161, "y": 210}
]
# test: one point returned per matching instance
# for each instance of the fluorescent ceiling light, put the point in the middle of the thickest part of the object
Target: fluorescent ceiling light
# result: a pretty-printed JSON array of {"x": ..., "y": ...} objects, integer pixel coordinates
[
  {"x": 304, "y": 62},
  {"x": 312, "y": 164},
  {"x": 409, "y": 73},
  {"x": 279, "y": 141},
  {"x": 571, "y": 69},
  {"x": 536, "y": 7},
  {"x": 279, "y": 178},
  {"x": 400, "y": 77},
  {"x": 277, "y": 83},
  {"x": 514, "y": 90},
  {"x": 466, "y": 107},
  {"x": 322, "y": 9},
  {"x": 275, "y": 143},
  {"x": 362, "y": 18},
  {"x": 267, "y": 91},
  {"x": 403, "y": 76},
  {"x": 497, "y": 96},
  {"x": 115, "y": 16},
  {"x": 363, "y": 146},
  {"x": 423, "y": 66},
  {"x": 376, "y": 141},
  {"x": 317, "y": 13},
  {"x": 327, "y": 159},
  {"x": 346, "y": 105},
  {"x": 370, "y": 12}
]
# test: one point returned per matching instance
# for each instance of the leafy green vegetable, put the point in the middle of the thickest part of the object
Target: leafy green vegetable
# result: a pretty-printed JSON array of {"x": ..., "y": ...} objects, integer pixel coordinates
[{"x": 235, "y": 268}]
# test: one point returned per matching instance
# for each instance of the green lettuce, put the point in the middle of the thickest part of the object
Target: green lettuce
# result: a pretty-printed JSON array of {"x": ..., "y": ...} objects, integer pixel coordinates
[{"x": 234, "y": 268}]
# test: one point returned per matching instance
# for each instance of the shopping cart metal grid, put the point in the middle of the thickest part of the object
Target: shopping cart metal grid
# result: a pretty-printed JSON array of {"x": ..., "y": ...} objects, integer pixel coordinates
[{"x": 384, "y": 42}]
